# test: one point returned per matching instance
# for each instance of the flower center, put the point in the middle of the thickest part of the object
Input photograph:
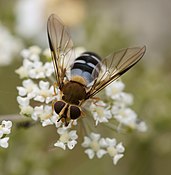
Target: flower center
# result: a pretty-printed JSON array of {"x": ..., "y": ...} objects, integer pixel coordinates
[
  {"x": 112, "y": 151},
  {"x": 64, "y": 137},
  {"x": 100, "y": 112},
  {"x": 95, "y": 146},
  {"x": 45, "y": 116},
  {"x": 44, "y": 93}
]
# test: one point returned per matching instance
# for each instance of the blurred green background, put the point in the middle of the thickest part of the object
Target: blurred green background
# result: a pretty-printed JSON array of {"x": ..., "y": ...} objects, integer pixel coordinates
[{"x": 101, "y": 26}]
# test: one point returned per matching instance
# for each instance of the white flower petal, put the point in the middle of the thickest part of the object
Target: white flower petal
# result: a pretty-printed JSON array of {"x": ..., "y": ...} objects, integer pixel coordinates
[
  {"x": 61, "y": 130},
  {"x": 60, "y": 145},
  {"x": 114, "y": 88},
  {"x": 120, "y": 148},
  {"x": 28, "y": 64},
  {"x": 48, "y": 67},
  {"x": 103, "y": 142},
  {"x": 35, "y": 50},
  {"x": 116, "y": 158},
  {"x": 22, "y": 72},
  {"x": 1, "y": 133},
  {"x": 21, "y": 91},
  {"x": 49, "y": 99},
  {"x": 26, "y": 110},
  {"x": 111, "y": 142},
  {"x": 95, "y": 136},
  {"x": 47, "y": 53},
  {"x": 34, "y": 57},
  {"x": 39, "y": 98},
  {"x": 6, "y": 130},
  {"x": 90, "y": 153},
  {"x": 142, "y": 127},
  {"x": 73, "y": 135},
  {"x": 4, "y": 142},
  {"x": 23, "y": 101},
  {"x": 101, "y": 112},
  {"x": 44, "y": 85},
  {"x": 71, "y": 144},
  {"x": 7, "y": 123},
  {"x": 87, "y": 142},
  {"x": 47, "y": 122},
  {"x": 101, "y": 153},
  {"x": 58, "y": 124},
  {"x": 27, "y": 83}
]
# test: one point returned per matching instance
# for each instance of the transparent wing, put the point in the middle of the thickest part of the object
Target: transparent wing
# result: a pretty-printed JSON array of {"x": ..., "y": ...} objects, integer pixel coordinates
[
  {"x": 114, "y": 66},
  {"x": 61, "y": 47}
]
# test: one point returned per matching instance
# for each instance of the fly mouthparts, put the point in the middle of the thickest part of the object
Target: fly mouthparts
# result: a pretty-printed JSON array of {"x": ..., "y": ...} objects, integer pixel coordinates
[{"x": 64, "y": 121}]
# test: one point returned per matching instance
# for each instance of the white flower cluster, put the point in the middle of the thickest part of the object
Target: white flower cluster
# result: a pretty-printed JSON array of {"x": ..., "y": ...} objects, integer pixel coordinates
[
  {"x": 95, "y": 145},
  {"x": 67, "y": 137},
  {"x": 33, "y": 67},
  {"x": 36, "y": 96},
  {"x": 120, "y": 107},
  {"x": 5, "y": 129},
  {"x": 35, "y": 86},
  {"x": 101, "y": 112},
  {"x": 9, "y": 46}
]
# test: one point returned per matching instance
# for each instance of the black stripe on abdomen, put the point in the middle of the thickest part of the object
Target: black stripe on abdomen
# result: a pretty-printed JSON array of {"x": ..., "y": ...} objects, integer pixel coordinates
[
  {"x": 83, "y": 66},
  {"x": 87, "y": 66}
]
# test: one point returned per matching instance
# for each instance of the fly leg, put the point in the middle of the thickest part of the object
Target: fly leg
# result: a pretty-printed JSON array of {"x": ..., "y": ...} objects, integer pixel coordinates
[
  {"x": 55, "y": 85},
  {"x": 59, "y": 92},
  {"x": 97, "y": 101}
]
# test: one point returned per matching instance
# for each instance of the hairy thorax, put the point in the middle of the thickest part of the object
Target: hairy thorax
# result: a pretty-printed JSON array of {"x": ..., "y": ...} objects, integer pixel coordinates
[{"x": 73, "y": 92}]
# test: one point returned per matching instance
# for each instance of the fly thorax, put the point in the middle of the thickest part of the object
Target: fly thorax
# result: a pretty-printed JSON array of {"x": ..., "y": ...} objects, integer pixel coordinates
[
  {"x": 73, "y": 92},
  {"x": 86, "y": 68}
]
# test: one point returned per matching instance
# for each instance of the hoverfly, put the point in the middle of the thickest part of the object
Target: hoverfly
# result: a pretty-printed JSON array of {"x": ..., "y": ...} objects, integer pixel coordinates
[{"x": 81, "y": 78}]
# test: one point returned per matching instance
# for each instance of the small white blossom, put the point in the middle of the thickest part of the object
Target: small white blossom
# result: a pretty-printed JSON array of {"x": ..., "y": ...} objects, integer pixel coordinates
[
  {"x": 23, "y": 101},
  {"x": 52, "y": 120},
  {"x": 25, "y": 108},
  {"x": 101, "y": 146},
  {"x": 37, "y": 70},
  {"x": 23, "y": 71},
  {"x": 48, "y": 69},
  {"x": 45, "y": 93},
  {"x": 141, "y": 126},
  {"x": 47, "y": 53},
  {"x": 32, "y": 53},
  {"x": 94, "y": 146},
  {"x": 29, "y": 89},
  {"x": 101, "y": 113},
  {"x": 33, "y": 67},
  {"x": 5, "y": 129},
  {"x": 67, "y": 138},
  {"x": 4, "y": 142},
  {"x": 114, "y": 150},
  {"x": 126, "y": 116},
  {"x": 35, "y": 50},
  {"x": 42, "y": 112},
  {"x": 114, "y": 88},
  {"x": 124, "y": 98}
]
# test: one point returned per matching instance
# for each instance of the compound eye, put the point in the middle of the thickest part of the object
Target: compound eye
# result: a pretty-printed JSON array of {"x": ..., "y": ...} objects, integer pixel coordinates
[
  {"x": 58, "y": 106},
  {"x": 74, "y": 112}
]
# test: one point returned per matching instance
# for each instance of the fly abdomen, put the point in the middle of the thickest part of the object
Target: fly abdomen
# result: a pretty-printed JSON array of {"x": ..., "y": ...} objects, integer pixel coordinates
[{"x": 86, "y": 66}]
